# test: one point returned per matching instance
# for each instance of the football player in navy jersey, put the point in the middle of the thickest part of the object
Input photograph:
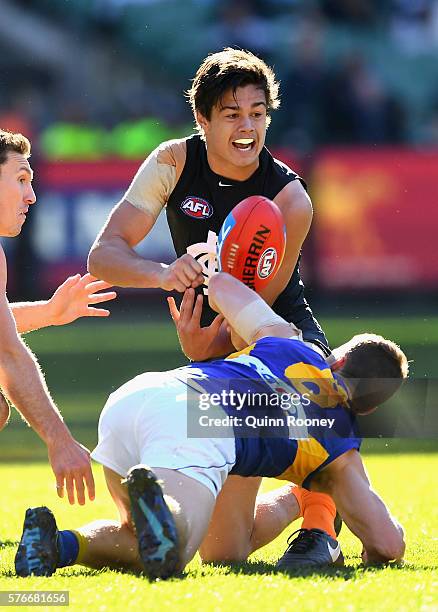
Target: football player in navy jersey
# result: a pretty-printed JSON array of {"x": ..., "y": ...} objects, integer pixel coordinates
[
  {"x": 198, "y": 180},
  {"x": 165, "y": 509}
]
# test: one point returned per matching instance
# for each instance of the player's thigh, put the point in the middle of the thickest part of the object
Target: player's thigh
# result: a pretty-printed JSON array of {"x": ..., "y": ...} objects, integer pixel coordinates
[
  {"x": 119, "y": 493},
  {"x": 229, "y": 533}
]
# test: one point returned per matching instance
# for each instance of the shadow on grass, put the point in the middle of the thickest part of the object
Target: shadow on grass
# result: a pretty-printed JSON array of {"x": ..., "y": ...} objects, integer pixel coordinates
[
  {"x": 88, "y": 572},
  {"x": 6, "y": 543},
  {"x": 248, "y": 568},
  {"x": 347, "y": 572}
]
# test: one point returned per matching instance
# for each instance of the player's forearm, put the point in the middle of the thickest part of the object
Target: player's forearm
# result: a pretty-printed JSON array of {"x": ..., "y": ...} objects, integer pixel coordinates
[
  {"x": 31, "y": 315},
  {"x": 23, "y": 383},
  {"x": 118, "y": 264},
  {"x": 363, "y": 511}
]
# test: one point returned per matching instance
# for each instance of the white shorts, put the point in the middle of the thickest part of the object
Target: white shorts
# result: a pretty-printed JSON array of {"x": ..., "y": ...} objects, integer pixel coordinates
[{"x": 145, "y": 422}]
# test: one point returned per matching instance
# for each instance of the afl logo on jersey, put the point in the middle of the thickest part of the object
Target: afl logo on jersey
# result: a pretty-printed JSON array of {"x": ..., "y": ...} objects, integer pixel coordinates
[
  {"x": 197, "y": 208},
  {"x": 267, "y": 263}
]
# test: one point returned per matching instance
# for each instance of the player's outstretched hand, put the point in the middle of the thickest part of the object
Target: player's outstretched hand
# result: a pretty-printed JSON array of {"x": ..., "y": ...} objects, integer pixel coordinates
[
  {"x": 71, "y": 465},
  {"x": 198, "y": 343},
  {"x": 75, "y": 297},
  {"x": 183, "y": 273}
]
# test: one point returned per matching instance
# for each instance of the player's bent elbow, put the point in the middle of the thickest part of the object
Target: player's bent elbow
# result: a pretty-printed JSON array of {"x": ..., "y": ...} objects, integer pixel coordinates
[
  {"x": 94, "y": 260},
  {"x": 389, "y": 548},
  {"x": 5, "y": 412},
  {"x": 397, "y": 546}
]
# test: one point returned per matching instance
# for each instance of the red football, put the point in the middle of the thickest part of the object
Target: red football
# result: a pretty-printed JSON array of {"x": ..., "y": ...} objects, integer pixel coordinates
[{"x": 252, "y": 241}]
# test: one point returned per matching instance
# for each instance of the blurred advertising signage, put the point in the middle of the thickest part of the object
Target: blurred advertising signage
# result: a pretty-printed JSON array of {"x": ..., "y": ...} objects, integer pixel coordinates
[
  {"x": 74, "y": 200},
  {"x": 376, "y": 218}
]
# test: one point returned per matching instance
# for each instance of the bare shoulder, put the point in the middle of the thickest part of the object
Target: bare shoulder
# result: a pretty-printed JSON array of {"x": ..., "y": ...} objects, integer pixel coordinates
[
  {"x": 170, "y": 151},
  {"x": 294, "y": 200},
  {"x": 173, "y": 153}
]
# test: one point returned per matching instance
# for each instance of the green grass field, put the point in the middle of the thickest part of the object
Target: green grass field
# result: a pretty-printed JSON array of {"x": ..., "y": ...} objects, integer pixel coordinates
[
  {"x": 84, "y": 362},
  {"x": 406, "y": 481}
]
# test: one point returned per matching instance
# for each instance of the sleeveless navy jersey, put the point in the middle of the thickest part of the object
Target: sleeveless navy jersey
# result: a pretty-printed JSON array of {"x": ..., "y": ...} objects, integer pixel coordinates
[
  {"x": 290, "y": 441},
  {"x": 199, "y": 204}
]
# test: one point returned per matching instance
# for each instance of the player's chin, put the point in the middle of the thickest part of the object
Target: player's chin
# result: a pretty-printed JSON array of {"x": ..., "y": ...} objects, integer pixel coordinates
[
  {"x": 245, "y": 157},
  {"x": 15, "y": 231}
]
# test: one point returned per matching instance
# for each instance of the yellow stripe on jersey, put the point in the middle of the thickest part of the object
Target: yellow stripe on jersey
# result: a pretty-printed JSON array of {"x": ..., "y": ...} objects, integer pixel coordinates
[
  {"x": 245, "y": 351},
  {"x": 310, "y": 455},
  {"x": 305, "y": 377}
]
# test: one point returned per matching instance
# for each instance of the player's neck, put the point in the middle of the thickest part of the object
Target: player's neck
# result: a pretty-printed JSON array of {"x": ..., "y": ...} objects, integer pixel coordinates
[{"x": 228, "y": 170}]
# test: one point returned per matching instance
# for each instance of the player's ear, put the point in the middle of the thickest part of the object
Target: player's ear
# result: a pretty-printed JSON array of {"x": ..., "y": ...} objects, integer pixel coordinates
[
  {"x": 201, "y": 120},
  {"x": 338, "y": 363},
  {"x": 369, "y": 411}
]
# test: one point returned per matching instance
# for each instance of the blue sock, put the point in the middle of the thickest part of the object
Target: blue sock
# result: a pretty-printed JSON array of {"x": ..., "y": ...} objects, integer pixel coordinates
[{"x": 68, "y": 548}]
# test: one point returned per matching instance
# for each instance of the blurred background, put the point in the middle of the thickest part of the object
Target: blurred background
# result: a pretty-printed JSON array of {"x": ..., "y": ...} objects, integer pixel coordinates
[{"x": 97, "y": 84}]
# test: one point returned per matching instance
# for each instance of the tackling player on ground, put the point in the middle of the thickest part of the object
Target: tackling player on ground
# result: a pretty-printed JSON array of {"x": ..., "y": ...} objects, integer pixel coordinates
[
  {"x": 198, "y": 180},
  {"x": 144, "y": 423}
]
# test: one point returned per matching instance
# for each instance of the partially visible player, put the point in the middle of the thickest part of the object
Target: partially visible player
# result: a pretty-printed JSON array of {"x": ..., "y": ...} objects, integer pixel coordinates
[
  {"x": 20, "y": 376},
  {"x": 165, "y": 509}
]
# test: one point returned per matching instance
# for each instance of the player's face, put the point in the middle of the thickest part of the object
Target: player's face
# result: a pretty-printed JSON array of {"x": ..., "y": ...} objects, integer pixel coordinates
[
  {"x": 16, "y": 193},
  {"x": 235, "y": 133}
]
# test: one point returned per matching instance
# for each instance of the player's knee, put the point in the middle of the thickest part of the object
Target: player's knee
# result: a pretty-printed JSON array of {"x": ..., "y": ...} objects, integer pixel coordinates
[
  {"x": 5, "y": 412},
  {"x": 225, "y": 552}
]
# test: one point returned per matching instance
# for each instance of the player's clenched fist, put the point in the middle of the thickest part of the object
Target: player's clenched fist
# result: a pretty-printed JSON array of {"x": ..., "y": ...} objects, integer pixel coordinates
[
  {"x": 183, "y": 273},
  {"x": 71, "y": 465}
]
